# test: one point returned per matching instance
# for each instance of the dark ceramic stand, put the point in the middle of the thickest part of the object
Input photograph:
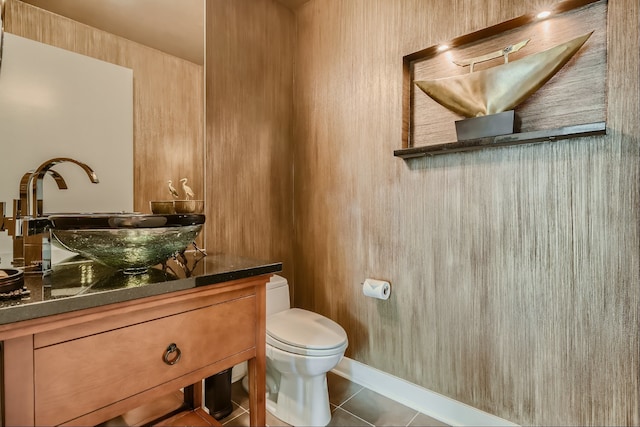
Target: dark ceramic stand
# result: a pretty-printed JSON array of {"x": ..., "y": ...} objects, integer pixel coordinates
[{"x": 484, "y": 126}]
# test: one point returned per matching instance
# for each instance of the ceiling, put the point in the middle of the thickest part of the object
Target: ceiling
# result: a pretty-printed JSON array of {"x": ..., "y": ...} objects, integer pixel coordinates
[{"x": 172, "y": 26}]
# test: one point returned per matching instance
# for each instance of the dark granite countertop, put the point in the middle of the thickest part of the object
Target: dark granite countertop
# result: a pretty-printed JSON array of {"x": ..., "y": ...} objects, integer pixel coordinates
[{"x": 77, "y": 283}]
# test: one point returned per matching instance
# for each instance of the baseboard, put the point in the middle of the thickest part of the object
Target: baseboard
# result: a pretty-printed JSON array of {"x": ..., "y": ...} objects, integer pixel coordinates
[{"x": 435, "y": 405}]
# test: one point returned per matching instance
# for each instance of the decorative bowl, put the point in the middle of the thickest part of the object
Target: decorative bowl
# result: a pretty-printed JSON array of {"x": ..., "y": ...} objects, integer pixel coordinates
[
  {"x": 130, "y": 242},
  {"x": 189, "y": 206},
  {"x": 11, "y": 279},
  {"x": 162, "y": 207}
]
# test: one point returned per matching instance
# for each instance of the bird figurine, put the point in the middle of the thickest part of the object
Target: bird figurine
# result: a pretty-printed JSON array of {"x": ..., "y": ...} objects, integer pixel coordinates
[
  {"x": 172, "y": 190},
  {"x": 188, "y": 192}
]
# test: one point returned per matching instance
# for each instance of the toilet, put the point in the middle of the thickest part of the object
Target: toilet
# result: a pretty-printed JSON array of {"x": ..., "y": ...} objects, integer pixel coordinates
[{"x": 302, "y": 347}]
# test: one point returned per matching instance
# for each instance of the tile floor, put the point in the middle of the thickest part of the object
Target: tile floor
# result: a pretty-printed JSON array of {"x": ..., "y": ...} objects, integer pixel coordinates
[{"x": 351, "y": 405}]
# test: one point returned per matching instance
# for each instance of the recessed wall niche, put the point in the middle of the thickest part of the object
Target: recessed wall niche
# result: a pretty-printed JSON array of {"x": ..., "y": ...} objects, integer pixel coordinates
[{"x": 571, "y": 104}]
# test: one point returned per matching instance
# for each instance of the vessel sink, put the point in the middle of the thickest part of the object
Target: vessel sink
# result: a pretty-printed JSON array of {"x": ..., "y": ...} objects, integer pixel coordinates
[{"x": 132, "y": 242}]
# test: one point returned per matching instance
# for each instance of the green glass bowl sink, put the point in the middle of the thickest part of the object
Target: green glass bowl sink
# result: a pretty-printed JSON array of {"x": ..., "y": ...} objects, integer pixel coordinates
[{"x": 131, "y": 242}]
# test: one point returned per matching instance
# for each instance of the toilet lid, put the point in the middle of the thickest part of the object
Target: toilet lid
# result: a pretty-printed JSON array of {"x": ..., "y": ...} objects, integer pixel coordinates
[{"x": 305, "y": 332}]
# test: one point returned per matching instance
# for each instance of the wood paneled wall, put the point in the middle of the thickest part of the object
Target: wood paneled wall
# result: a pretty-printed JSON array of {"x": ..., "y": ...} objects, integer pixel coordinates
[
  {"x": 168, "y": 99},
  {"x": 514, "y": 271},
  {"x": 249, "y": 85}
]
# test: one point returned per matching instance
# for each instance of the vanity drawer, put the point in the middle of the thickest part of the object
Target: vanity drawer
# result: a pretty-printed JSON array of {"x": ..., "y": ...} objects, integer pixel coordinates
[{"x": 77, "y": 377}]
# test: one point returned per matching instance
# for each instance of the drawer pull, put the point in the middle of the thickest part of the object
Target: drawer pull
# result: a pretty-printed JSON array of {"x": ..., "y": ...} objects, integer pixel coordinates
[{"x": 173, "y": 348}]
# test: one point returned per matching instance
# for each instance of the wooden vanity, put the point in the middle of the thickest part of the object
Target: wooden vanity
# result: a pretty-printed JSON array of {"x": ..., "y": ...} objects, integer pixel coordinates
[{"x": 87, "y": 366}]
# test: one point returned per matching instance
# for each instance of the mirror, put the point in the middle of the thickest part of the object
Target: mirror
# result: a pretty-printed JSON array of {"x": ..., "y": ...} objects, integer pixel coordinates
[
  {"x": 57, "y": 103},
  {"x": 170, "y": 123}
]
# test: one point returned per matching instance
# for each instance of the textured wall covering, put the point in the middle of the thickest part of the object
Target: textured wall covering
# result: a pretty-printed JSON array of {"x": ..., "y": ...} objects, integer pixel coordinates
[
  {"x": 167, "y": 98},
  {"x": 249, "y": 155},
  {"x": 514, "y": 271}
]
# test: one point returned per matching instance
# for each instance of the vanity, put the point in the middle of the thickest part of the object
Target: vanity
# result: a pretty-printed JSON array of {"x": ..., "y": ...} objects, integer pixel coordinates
[{"x": 89, "y": 344}]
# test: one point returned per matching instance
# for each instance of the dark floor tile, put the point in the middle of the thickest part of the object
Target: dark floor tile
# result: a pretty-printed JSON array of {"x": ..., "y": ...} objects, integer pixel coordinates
[
  {"x": 239, "y": 395},
  {"x": 340, "y": 389},
  {"x": 425, "y": 420},
  {"x": 340, "y": 417},
  {"x": 379, "y": 410},
  {"x": 243, "y": 421},
  {"x": 197, "y": 417},
  {"x": 240, "y": 421},
  {"x": 275, "y": 422},
  {"x": 358, "y": 407},
  {"x": 237, "y": 410}
]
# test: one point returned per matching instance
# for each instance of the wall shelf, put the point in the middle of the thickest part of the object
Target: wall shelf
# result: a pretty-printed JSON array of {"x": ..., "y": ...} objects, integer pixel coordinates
[
  {"x": 572, "y": 104},
  {"x": 576, "y": 131}
]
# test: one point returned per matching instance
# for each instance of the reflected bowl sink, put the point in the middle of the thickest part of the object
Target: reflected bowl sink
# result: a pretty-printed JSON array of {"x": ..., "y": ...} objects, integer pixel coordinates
[{"x": 131, "y": 242}]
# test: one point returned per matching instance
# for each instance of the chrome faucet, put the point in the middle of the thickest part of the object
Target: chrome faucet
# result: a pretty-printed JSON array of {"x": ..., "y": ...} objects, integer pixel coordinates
[{"x": 28, "y": 225}]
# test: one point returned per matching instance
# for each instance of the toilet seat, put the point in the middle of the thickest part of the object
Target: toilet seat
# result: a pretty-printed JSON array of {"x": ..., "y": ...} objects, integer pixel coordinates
[{"x": 306, "y": 333}]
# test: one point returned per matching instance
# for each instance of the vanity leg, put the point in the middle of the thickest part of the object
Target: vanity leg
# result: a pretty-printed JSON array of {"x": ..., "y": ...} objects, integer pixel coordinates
[
  {"x": 17, "y": 375},
  {"x": 257, "y": 403},
  {"x": 193, "y": 395},
  {"x": 257, "y": 366}
]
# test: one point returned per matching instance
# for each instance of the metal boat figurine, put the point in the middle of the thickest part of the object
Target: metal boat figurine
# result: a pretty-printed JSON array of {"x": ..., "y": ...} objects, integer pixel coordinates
[{"x": 500, "y": 88}]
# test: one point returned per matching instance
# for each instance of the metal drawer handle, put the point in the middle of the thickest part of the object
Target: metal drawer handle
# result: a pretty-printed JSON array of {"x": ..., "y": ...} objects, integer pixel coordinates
[{"x": 173, "y": 348}]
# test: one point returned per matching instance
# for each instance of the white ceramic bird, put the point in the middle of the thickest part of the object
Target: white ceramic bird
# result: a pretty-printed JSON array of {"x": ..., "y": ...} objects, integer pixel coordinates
[
  {"x": 188, "y": 192},
  {"x": 172, "y": 190}
]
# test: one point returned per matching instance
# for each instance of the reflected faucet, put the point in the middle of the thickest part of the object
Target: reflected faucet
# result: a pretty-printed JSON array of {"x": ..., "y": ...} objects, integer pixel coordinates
[
  {"x": 25, "y": 182},
  {"x": 34, "y": 207},
  {"x": 13, "y": 224},
  {"x": 28, "y": 226},
  {"x": 6, "y": 223}
]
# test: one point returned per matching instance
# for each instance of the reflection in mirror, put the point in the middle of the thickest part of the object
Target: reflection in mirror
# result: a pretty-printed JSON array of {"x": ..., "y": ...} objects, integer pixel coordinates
[
  {"x": 168, "y": 111},
  {"x": 56, "y": 103}
]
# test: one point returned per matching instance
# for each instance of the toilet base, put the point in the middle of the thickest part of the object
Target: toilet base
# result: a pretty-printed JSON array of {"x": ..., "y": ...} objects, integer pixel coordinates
[
  {"x": 311, "y": 409},
  {"x": 302, "y": 401}
]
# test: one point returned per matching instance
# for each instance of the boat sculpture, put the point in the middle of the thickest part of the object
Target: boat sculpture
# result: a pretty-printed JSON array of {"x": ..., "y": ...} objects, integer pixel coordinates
[{"x": 500, "y": 88}]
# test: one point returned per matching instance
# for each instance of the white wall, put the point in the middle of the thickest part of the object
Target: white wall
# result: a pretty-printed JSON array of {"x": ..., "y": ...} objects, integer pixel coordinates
[{"x": 57, "y": 103}]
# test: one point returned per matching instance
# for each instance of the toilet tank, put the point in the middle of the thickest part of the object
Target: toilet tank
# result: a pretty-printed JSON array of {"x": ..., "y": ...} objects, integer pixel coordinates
[{"x": 277, "y": 295}]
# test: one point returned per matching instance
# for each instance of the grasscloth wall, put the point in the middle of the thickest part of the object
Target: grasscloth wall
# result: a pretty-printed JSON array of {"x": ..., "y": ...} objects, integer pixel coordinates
[
  {"x": 167, "y": 99},
  {"x": 249, "y": 173},
  {"x": 514, "y": 271}
]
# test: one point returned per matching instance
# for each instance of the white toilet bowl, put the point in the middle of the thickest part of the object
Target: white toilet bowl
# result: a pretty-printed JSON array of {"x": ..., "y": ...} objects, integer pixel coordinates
[{"x": 302, "y": 347}]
